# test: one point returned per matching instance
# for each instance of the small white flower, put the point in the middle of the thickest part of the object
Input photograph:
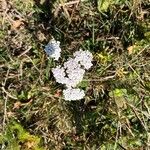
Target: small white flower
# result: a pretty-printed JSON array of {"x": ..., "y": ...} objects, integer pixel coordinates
[
  {"x": 53, "y": 49},
  {"x": 59, "y": 74},
  {"x": 84, "y": 58},
  {"x": 74, "y": 72},
  {"x": 75, "y": 76},
  {"x": 73, "y": 94},
  {"x": 71, "y": 64}
]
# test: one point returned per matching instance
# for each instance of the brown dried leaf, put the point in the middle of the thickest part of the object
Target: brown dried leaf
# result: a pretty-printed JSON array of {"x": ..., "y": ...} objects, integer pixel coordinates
[
  {"x": 17, "y": 105},
  {"x": 10, "y": 114},
  {"x": 58, "y": 93},
  {"x": 131, "y": 49},
  {"x": 30, "y": 144},
  {"x": 16, "y": 24}
]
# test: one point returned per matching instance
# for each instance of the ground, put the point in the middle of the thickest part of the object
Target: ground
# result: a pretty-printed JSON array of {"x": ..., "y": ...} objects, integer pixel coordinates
[{"x": 115, "y": 113}]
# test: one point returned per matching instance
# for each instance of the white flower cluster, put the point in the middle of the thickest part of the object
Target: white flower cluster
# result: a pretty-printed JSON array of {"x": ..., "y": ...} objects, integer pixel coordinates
[
  {"x": 53, "y": 49},
  {"x": 84, "y": 58},
  {"x": 72, "y": 72},
  {"x": 73, "y": 94}
]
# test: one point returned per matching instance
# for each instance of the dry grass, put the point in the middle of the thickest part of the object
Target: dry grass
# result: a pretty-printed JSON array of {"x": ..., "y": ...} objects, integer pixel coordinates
[{"x": 116, "y": 110}]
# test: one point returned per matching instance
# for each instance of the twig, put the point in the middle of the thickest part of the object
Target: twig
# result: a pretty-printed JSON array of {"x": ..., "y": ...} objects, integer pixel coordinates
[
  {"x": 134, "y": 111},
  {"x": 100, "y": 79},
  {"x": 117, "y": 135},
  {"x": 137, "y": 74},
  {"x": 65, "y": 10},
  {"x": 8, "y": 94},
  {"x": 70, "y": 3},
  {"x": 5, "y": 112},
  {"x": 122, "y": 147},
  {"x": 5, "y": 101},
  {"x": 33, "y": 63},
  {"x": 23, "y": 53}
]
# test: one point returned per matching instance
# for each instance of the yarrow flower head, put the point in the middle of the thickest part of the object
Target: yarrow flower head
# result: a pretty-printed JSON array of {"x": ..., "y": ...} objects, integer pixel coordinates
[
  {"x": 84, "y": 58},
  {"x": 59, "y": 74},
  {"x": 72, "y": 72},
  {"x": 53, "y": 49},
  {"x": 71, "y": 64},
  {"x": 73, "y": 94},
  {"x": 75, "y": 77}
]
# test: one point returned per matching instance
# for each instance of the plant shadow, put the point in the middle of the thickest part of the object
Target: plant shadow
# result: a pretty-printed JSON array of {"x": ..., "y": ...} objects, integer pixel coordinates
[
  {"x": 92, "y": 120},
  {"x": 44, "y": 21}
]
